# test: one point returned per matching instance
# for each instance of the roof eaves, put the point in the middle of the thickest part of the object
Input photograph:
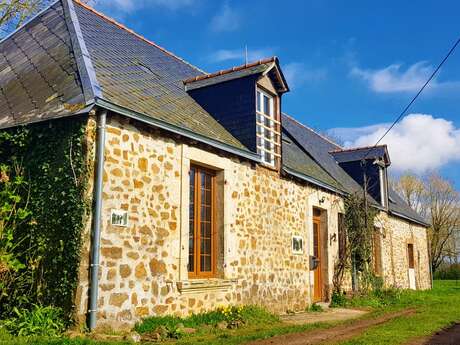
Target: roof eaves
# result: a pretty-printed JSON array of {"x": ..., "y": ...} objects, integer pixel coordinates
[
  {"x": 280, "y": 74},
  {"x": 313, "y": 181},
  {"x": 400, "y": 215},
  {"x": 90, "y": 85},
  {"x": 178, "y": 130},
  {"x": 28, "y": 21}
]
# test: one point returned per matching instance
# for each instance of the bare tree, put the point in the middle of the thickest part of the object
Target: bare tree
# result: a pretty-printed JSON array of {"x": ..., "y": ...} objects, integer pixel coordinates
[
  {"x": 13, "y": 13},
  {"x": 437, "y": 200}
]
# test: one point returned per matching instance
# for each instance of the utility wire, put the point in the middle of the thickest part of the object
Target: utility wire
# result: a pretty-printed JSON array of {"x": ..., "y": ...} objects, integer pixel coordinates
[{"x": 415, "y": 97}]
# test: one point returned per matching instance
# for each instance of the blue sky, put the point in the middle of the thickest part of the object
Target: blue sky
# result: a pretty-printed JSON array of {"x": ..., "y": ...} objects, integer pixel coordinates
[{"x": 352, "y": 66}]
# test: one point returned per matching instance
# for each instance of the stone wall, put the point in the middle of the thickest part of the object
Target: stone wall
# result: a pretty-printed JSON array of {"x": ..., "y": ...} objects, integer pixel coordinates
[
  {"x": 397, "y": 234},
  {"x": 143, "y": 267}
]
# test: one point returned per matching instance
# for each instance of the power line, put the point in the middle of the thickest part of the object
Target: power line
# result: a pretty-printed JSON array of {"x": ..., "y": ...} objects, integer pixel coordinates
[{"x": 415, "y": 97}]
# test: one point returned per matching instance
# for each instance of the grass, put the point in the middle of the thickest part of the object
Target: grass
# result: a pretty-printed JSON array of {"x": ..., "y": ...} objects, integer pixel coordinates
[
  {"x": 252, "y": 315},
  {"x": 435, "y": 309}
]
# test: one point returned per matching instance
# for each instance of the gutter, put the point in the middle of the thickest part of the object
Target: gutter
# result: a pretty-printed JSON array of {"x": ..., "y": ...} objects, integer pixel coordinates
[
  {"x": 313, "y": 181},
  {"x": 178, "y": 130},
  {"x": 97, "y": 219}
]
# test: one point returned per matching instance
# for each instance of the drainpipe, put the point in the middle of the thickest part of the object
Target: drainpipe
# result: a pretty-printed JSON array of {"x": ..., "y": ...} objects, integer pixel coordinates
[{"x": 96, "y": 233}]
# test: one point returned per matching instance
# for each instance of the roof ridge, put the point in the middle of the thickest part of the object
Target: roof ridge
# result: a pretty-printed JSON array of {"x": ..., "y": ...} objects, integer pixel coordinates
[
  {"x": 90, "y": 86},
  {"x": 123, "y": 27},
  {"x": 230, "y": 70},
  {"x": 312, "y": 130}
]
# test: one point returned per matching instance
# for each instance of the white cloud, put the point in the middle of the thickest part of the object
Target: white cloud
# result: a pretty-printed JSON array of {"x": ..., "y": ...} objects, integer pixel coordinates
[
  {"x": 127, "y": 6},
  {"x": 394, "y": 79},
  {"x": 419, "y": 143},
  {"x": 239, "y": 54},
  {"x": 298, "y": 73},
  {"x": 227, "y": 19}
]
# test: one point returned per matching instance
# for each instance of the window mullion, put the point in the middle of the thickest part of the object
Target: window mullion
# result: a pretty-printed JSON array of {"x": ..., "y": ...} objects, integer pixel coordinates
[{"x": 197, "y": 219}]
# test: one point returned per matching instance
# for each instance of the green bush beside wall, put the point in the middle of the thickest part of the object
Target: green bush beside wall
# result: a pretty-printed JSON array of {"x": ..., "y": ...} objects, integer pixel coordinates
[{"x": 52, "y": 155}]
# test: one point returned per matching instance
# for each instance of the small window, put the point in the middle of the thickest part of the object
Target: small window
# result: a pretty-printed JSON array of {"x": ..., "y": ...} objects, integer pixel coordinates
[
  {"x": 202, "y": 238},
  {"x": 268, "y": 134}
]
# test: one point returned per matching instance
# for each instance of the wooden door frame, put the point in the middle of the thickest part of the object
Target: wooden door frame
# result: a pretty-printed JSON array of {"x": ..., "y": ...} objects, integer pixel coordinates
[{"x": 319, "y": 269}]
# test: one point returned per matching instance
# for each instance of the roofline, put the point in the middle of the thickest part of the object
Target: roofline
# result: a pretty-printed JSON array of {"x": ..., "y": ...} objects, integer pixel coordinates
[
  {"x": 313, "y": 181},
  {"x": 272, "y": 60},
  {"x": 121, "y": 26},
  {"x": 178, "y": 130},
  {"x": 28, "y": 21},
  {"x": 90, "y": 85},
  {"x": 413, "y": 220},
  {"x": 368, "y": 149},
  {"x": 357, "y": 148},
  {"x": 229, "y": 70}
]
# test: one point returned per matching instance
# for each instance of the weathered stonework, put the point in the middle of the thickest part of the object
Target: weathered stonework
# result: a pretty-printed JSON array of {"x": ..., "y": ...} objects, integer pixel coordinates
[
  {"x": 143, "y": 267},
  {"x": 397, "y": 234}
]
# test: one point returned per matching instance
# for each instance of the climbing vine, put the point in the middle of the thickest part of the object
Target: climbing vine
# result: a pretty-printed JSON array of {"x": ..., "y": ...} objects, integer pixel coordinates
[
  {"x": 49, "y": 160},
  {"x": 356, "y": 257}
]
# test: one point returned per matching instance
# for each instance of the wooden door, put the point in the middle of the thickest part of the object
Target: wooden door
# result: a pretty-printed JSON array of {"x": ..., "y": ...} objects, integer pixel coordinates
[
  {"x": 410, "y": 254},
  {"x": 317, "y": 283}
]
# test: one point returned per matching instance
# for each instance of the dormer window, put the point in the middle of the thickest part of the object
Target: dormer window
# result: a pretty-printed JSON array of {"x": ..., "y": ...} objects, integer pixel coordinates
[{"x": 268, "y": 134}]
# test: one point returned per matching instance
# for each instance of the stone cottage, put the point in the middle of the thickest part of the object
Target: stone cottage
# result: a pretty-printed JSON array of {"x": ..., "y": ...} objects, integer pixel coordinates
[{"x": 205, "y": 193}]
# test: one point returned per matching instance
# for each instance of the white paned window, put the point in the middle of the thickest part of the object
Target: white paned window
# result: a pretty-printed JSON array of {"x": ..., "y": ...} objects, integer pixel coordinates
[{"x": 267, "y": 128}]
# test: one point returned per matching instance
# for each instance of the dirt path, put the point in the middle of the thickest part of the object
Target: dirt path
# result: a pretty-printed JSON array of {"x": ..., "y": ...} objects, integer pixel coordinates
[
  {"x": 448, "y": 336},
  {"x": 328, "y": 315},
  {"x": 338, "y": 333}
]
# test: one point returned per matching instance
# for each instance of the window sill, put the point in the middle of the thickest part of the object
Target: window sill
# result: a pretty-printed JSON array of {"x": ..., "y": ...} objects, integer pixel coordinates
[{"x": 202, "y": 285}]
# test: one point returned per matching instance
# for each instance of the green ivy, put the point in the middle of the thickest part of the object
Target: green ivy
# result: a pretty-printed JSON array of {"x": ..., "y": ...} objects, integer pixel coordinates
[{"x": 53, "y": 160}]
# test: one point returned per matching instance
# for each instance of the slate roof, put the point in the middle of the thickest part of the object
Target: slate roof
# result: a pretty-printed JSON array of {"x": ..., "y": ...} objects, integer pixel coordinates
[
  {"x": 39, "y": 77},
  {"x": 138, "y": 75},
  {"x": 358, "y": 154},
  {"x": 323, "y": 151},
  {"x": 296, "y": 159},
  {"x": 319, "y": 147}
]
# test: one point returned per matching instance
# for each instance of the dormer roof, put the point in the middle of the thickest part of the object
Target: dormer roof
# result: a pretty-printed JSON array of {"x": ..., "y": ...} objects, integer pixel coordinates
[
  {"x": 269, "y": 66},
  {"x": 379, "y": 152}
]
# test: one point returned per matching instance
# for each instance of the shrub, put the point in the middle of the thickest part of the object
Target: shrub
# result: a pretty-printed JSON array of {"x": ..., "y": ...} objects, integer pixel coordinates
[
  {"x": 338, "y": 299},
  {"x": 448, "y": 272},
  {"x": 315, "y": 308},
  {"x": 40, "y": 321}
]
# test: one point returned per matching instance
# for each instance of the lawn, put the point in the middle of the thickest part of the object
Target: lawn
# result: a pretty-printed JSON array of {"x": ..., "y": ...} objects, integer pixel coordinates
[{"x": 435, "y": 309}]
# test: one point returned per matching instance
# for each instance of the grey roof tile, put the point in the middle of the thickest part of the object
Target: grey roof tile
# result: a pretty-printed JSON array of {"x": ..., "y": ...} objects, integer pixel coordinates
[
  {"x": 142, "y": 77},
  {"x": 38, "y": 74},
  {"x": 295, "y": 158}
]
